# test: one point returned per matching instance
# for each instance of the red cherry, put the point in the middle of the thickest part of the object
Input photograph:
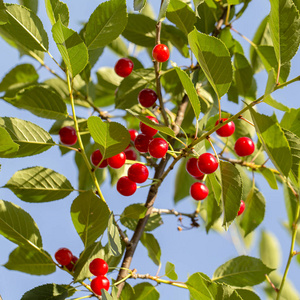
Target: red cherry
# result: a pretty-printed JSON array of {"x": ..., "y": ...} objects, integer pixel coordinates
[
  {"x": 133, "y": 134},
  {"x": 63, "y": 256},
  {"x": 68, "y": 135},
  {"x": 98, "y": 283},
  {"x": 130, "y": 154},
  {"x": 158, "y": 147},
  {"x": 96, "y": 158},
  {"x": 192, "y": 168},
  {"x": 71, "y": 265},
  {"x": 244, "y": 146},
  {"x": 117, "y": 161},
  {"x": 161, "y": 53},
  {"x": 199, "y": 177},
  {"x": 207, "y": 163},
  {"x": 199, "y": 191},
  {"x": 147, "y": 97},
  {"x": 124, "y": 67},
  {"x": 227, "y": 129},
  {"x": 242, "y": 208},
  {"x": 147, "y": 129},
  {"x": 98, "y": 266},
  {"x": 125, "y": 186},
  {"x": 138, "y": 173},
  {"x": 141, "y": 142}
]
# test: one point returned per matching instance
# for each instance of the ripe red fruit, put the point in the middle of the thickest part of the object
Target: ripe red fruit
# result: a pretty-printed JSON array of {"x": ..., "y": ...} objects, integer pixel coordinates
[
  {"x": 158, "y": 147},
  {"x": 98, "y": 266},
  {"x": 71, "y": 265},
  {"x": 192, "y": 168},
  {"x": 138, "y": 173},
  {"x": 147, "y": 129},
  {"x": 130, "y": 154},
  {"x": 63, "y": 256},
  {"x": 207, "y": 163},
  {"x": 199, "y": 191},
  {"x": 227, "y": 129},
  {"x": 96, "y": 158},
  {"x": 68, "y": 135},
  {"x": 147, "y": 97},
  {"x": 244, "y": 146},
  {"x": 125, "y": 186},
  {"x": 242, "y": 208},
  {"x": 117, "y": 161},
  {"x": 141, "y": 142},
  {"x": 124, "y": 67},
  {"x": 133, "y": 134},
  {"x": 161, "y": 53},
  {"x": 98, "y": 283}
]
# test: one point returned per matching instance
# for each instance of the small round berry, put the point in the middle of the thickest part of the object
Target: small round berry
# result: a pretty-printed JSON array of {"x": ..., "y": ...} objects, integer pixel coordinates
[
  {"x": 125, "y": 186},
  {"x": 244, "y": 146},
  {"x": 227, "y": 129},
  {"x": 145, "y": 129},
  {"x": 130, "y": 154},
  {"x": 192, "y": 167},
  {"x": 158, "y": 147},
  {"x": 207, "y": 163},
  {"x": 99, "y": 283},
  {"x": 71, "y": 265},
  {"x": 68, "y": 135},
  {"x": 138, "y": 173},
  {"x": 133, "y": 134},
  {"x": 242, "y": 208},
  {"x": 141, "y": 142},
  {"x": 161, "y": 53},
  {"x": 117, "y": 161},
  {"x": 147, "y": 97},
  {"x": 98, "y": 266},
  {"x": 199, "y": 191},
  {"x": 124, "y": 67},
  {"x": 96, "y": 157},
  {"x": 63, "y": 256}
]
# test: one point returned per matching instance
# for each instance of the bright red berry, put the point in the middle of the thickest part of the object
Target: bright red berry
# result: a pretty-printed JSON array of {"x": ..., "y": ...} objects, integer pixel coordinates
[
  {"x": 158, "y": 147},
  {"x": 68, "y": 135},
  {"x": 147, "y": 97},
  {"x": 124, "y": 67},
  {"x": 227, "y": 129},
  {"x": 63, "y": 256},
  {"x": 207, "y": 163},
  {"x": 244, "y": 146},
  {"x": 125, "y": 186},
  {"x": 133, "y": 134},
  {"x": 145, "y": 129},
  {"x": 199, "y": 191},
  {"x": 141, "y": 142},
  {"x": 192, "y": 167},
  {"x": 138, "y": 173},
  {"x": 161, "y": 53},
  {"x": 242, "y": 208},
  {"x": 98, "y": 266},
  {"x": 130, "y": 154},
  {"x": 96, "y": 158},
  {"x": 117, "y": 161},
  {"x": 71, "y": 265},
  {"x": 98, "y": 283}
]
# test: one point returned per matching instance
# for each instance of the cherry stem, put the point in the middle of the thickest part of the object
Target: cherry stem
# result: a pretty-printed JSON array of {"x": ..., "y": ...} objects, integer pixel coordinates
[
  {"x": 244, "y": 37},
  {"x": 242, "y": 118},
  {"x": 220, "y": 112},
  {"x": 271, "y": 283},
  {"x": 212, "y": 146},
  {"x": 165, "y": 211}
]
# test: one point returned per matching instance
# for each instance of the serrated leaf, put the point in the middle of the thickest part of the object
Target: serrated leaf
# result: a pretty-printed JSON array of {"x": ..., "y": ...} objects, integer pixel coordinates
[
  {"x": 114, "y": 240},
  {"x": 7, "y": 145},
  {"x": 57, "y": 10},
  {"x": 139, "y": 4},
  {"x": 243, "y": 74},
  {"x": 270, "y": 177},
  {"x": 152, "y": 246},
  {"x": 241, "y": 271},
  {"x": 106, "y": 23},
  {"x": 145, "y": 291},
  {"x": 170, "y": 271},
  {"x": 31, "y": 4},
  {"x": 291, "y": 121},
  {"x": 214, "y": 59},
  {"x": 134, "y": 211}
]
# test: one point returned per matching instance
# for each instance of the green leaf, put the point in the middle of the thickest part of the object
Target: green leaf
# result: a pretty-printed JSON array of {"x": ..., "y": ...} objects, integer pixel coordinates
[
  {"x": 214, "y": 59},
  {"x": 285, "y": 26},
  {"x": 139, "y": 4},
  {"x": 291, "y": 121},
  {"x": 114, "y": 240},
  {"x": 119, "y": 47},
  {"x": 145, "y": 291},
  {"x": 290, "y": 204},
  {"x": 105, "y": 295},
  {"x": 241, "y": 271},
  {"x": 7, "y": 145},
  {"x": 112, "y": 137},
  {"x": 231, "y": 191},
  {"x": 134, "y": 211},
  {"x": 106, "y": 23},
  {"x": 90, "y": 216},
  {"x": 18, "y": 226},
  {"x": 31, "y": 138},
  {"x": 190, "y": 91},
  {"x": 152, "y": 246},
  {"x": 30, "y": 261},
  {"x": 181, "y": 15},
  {"x": 108, "y": 79},
  {"x": 163, "y": 10},
  {"x": 272, "y": 102},
  {"x": 31, "y": 4},
  {"x": 274, "y": 141},
  {"x": 127, "y": 292},
  {"x": 170, "y": 271},
  {"x": 38, "y": 184},
  {"x": 243, "y": 74},
  {"x": 25, "y": 28},
  {"x": 247, "y": 294},
  {"x": 57, "y": 10},
  {"x": 270, "y": 177}
]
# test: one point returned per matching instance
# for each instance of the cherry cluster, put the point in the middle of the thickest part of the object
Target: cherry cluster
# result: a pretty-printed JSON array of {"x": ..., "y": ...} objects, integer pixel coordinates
[
  {"x": 99, "y": 268},
  {"x": 66, "y": 258}
]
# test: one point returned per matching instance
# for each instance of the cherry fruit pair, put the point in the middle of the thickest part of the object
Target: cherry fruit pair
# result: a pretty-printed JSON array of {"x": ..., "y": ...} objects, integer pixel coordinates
[
  {"x": 99, "y": 268},
  {"x": 66, "y": 258}
]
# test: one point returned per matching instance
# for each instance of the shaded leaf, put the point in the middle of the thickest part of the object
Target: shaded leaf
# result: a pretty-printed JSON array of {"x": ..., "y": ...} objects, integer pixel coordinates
[
  {"x": 139, "y": 4},
  {"x": 243, "y": 74},
  {"x": 152, "y": 246},
  {"x": 270, "y": 177},
  {"x": 291, "y": 121},
  {"x": 170, "y": 271},
  {"x": 145, "y": 290},
  {"x": 57, "y": 10},
  {"x": 134, "y": 211},
  {"x": 114, "y": 240},
  {"x": 7, "y": 145},
  {"x": 247, "y": 294},
  {"x": 31, "y": 4}
]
